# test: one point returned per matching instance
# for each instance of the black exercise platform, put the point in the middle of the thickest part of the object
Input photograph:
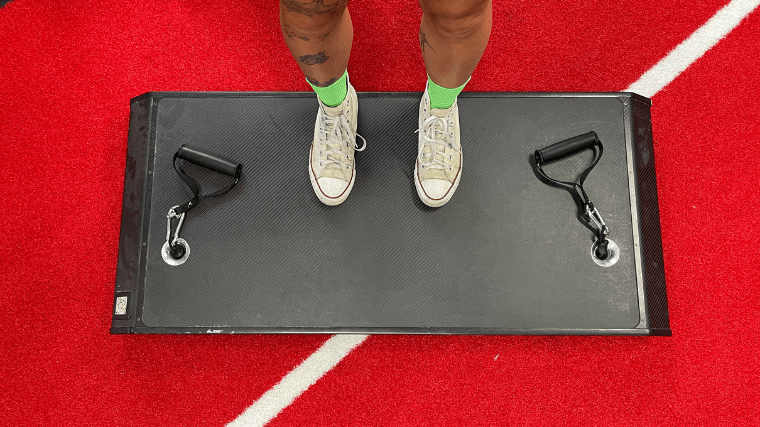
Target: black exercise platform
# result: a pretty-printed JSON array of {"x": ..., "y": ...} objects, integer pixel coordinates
[{"x": 511, "y": 253}]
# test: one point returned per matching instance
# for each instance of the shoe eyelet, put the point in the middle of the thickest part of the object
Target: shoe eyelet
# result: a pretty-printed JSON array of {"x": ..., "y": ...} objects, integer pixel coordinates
[{"x": 348, "y": 167}]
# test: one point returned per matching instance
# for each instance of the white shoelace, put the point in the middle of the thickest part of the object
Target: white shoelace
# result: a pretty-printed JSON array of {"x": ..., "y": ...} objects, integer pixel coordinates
[
  {"x": 336, "y": 133},
  {"x": 434, "y": 132}
]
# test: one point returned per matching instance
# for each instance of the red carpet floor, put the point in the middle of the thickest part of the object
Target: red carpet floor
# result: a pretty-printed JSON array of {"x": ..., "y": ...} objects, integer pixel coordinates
[{"x": 67, "y": 72}]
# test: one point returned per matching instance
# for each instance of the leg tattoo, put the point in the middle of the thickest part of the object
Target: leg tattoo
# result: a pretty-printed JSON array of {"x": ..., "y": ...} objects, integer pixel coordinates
[
  {"x": 291, "y": 33},
  {"x": 316, "y": 59},
  {"x": 324, "y": 36},
  {"x": 423, "y": 42},
  {"x": 316, "y": 82}
]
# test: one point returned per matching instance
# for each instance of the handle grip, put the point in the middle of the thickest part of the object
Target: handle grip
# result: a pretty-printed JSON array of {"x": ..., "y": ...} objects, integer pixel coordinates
[
  {"x": 566, "y": 147},
  {"x": 209, "y": 160}
]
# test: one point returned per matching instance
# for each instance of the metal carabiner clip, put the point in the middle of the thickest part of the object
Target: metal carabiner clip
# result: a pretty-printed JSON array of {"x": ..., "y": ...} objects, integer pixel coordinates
[
  {"x": 175, "y": 250},
  {"x": 593, "y": 214}
]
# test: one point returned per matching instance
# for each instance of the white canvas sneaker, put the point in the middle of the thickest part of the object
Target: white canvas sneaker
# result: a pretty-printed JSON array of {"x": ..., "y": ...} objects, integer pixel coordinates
[
  {"x": 439, "y": 153},
  {"x": 332, "y": 168}
]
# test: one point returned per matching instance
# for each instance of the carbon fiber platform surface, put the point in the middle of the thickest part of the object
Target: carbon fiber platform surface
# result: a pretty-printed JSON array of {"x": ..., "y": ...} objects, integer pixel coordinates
[{"x": 506, "y": 255}]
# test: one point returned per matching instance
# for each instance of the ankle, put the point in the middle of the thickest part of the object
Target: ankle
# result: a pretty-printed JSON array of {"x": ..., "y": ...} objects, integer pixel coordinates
[
  {"x": 333, "y": 94},
  {"x": 441, "y": 97}
]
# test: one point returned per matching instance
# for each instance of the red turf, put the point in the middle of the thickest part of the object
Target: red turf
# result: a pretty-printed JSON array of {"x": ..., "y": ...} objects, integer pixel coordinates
[{"x": 67, "y": 72}]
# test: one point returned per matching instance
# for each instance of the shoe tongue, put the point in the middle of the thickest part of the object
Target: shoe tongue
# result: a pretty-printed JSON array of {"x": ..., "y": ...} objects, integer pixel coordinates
[
  {"x": 440, "y": 113},
  {"x": 333, "y": 111}
]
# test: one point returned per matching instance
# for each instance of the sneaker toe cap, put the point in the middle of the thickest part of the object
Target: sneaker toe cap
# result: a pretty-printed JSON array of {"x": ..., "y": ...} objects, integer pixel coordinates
[
  {"x": 332, "y": 187},
  {"x": 435, "y": 189}
]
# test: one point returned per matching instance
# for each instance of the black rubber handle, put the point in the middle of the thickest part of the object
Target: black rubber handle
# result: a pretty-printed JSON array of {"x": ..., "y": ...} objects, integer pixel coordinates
[
  {"x": 209, "y": 160},
  {"x": 566, "y": 147}
]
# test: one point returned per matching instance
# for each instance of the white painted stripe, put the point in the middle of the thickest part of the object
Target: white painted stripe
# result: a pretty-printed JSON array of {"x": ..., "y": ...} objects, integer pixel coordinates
[
  {"x": 693, "y": 48},
  {"x": 336, "y": 348},
  {"x": 298, "y": 380}
]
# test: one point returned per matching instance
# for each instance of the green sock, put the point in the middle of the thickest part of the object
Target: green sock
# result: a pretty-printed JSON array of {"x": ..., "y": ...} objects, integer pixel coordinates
[
  {"x": 441, "y": 97},
  {"x": 335, "y": 94}
]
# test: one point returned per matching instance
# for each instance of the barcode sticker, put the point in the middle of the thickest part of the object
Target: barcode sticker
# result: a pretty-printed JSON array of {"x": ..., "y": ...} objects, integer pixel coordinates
[{"x": 121, "y": 306}]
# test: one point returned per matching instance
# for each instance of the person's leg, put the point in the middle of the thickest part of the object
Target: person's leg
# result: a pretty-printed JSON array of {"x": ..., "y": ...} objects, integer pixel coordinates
[
  {"x": 453, "y": 36},
  {"x": 319, "y": 34}
]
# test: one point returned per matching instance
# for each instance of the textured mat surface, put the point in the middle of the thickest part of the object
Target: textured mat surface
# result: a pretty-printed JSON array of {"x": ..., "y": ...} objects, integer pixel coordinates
[
  {"x": 508, "y": 253},
  {"x": 68, "y": 71}
]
